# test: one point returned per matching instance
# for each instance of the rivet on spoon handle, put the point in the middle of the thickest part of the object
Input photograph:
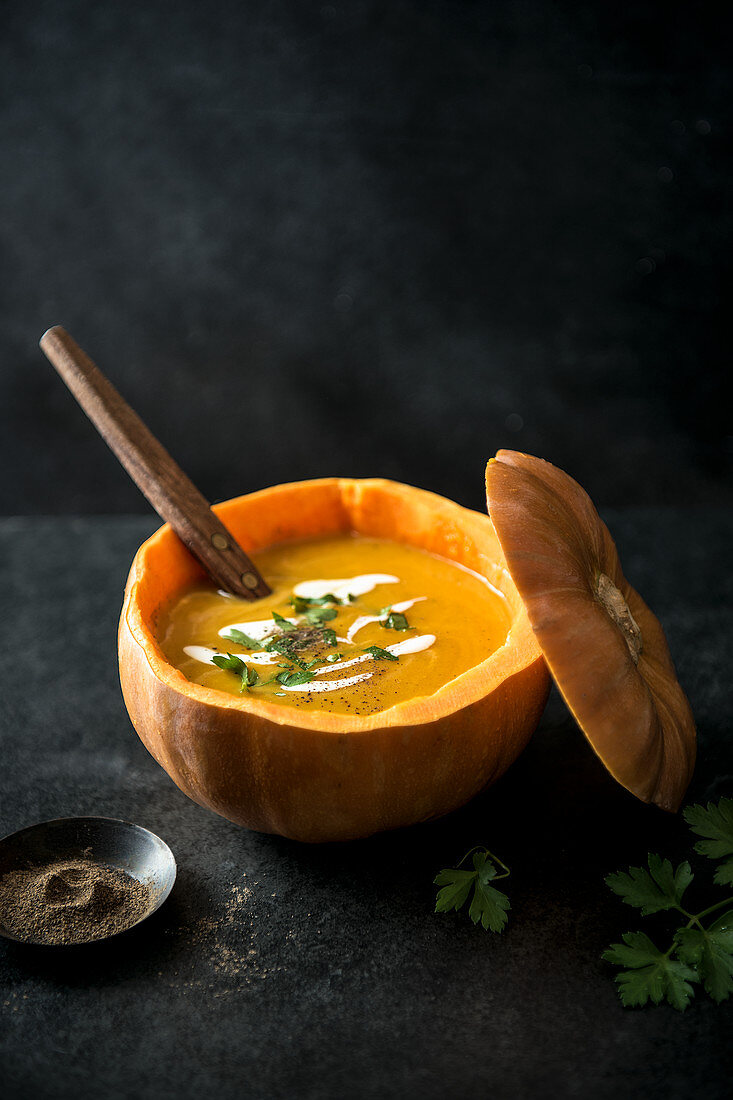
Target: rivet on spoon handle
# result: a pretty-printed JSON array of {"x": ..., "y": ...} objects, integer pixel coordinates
[{"x": 173, "y": 495}]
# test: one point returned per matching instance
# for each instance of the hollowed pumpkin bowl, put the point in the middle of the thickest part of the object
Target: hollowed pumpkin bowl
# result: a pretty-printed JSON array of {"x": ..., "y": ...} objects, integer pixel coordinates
[{"x": 318, "y": 776}]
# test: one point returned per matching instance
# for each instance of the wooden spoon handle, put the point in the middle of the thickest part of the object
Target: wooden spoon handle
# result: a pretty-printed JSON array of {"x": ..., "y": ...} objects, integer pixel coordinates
[{"x": 172, "y": 494}]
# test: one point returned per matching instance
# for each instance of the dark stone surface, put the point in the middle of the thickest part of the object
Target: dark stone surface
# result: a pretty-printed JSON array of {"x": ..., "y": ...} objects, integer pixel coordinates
[
  {"x": 277, "y": 970},
  {"x": 369, "y": 238}
]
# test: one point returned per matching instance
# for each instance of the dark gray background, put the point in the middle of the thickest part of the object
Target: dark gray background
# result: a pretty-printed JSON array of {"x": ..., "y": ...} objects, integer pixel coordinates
[
  {"x": 368, "y": 238},
  {"x": 360, "y": 238}
]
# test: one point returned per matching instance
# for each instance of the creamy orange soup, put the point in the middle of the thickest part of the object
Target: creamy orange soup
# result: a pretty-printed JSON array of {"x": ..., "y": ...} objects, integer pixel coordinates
[{"x": 353, "y": 626}]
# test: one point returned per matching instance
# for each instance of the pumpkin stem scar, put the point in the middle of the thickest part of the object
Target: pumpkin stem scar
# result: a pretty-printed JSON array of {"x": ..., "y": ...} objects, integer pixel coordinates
[{"x": 615, "y": 605}]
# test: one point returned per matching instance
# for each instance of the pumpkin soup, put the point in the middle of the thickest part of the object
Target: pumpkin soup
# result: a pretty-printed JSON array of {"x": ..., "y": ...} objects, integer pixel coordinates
[{"x": 353, "y": 626}]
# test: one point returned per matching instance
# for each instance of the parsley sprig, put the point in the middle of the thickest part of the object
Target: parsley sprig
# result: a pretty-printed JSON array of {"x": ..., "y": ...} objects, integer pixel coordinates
[
  {"x": 488, "y": 905},
  {"x": 249, "y": 677},
  {"x": 701, "y": 951}
]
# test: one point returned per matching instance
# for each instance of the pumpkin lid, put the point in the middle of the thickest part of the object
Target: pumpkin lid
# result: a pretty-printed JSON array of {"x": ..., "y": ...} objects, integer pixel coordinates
[{"x": 605, "y": 649}]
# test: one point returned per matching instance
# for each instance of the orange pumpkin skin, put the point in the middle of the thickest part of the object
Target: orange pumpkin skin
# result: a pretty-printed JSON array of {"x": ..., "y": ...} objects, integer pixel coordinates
[{"x": 318, "y": 776}]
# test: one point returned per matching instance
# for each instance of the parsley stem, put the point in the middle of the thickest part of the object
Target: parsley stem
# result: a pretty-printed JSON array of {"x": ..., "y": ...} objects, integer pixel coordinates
[
  {"x": 500, "y": 862},
  {"x": 719, "y": 905},
  {"x": 483, "y": 848},
  {"x": 696, "y": 918}
]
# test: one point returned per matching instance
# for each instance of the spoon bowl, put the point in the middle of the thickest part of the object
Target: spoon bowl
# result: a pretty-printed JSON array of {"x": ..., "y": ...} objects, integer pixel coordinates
[{"x": 106, "y": 841}]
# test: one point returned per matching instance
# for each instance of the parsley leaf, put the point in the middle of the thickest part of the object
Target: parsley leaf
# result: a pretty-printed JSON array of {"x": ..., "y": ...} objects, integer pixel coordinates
[
  {"x": 456, "y": 888},
  {"x": 651, "y": 975},
  {"x": 293, "y": 679},
  {"x": 710, "y": 952},
  {"x": 283, "y": 623},
  {"x": 302, "y": 603},
  {"x": 320, "y": 615},
  {"x": 395, "y": 621},
  {"x": 724, "y": 874},
  {"x": 250, "y": 678},
  {"x": 238, "y": 636},
  {"x": 715, "y": 824},
  {"x": 381, "y": 654},
  {"x": 488, "y": 905},
  {"x": 329, "y": 635},
  {"x": 332, "y": 657},
  {"x": 653, "y": 890},
  {"x": 230, "y": 663}
]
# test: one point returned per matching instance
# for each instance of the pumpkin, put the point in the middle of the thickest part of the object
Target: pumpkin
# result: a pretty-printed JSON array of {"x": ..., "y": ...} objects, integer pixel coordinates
[
  {"x": 318, "y": 776},
  {"x": 604, "y": 647}
]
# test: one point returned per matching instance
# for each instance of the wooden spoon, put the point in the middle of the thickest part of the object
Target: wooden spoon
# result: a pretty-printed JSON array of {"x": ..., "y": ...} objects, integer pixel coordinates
[{"x": 173, "y": 495}]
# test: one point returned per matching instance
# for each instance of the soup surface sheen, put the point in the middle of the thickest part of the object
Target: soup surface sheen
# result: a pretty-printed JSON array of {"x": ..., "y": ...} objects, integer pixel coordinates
[{"x": 353, "y": 626}]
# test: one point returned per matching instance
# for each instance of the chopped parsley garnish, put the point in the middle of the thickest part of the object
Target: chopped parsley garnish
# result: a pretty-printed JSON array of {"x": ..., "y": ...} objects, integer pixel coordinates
[
  {"x": 292, "y": 679},
  {"x": 251, "y": 679},
  {"x": 292, "y": 641},
  {"x": 230, "y": 663},
  {"x": 395, "y": 621},
  {"x": 320, "y": 615},
  {"x": 300, "y": 604},
  {"x": 284, "y": 647},
  {"x": 283, "y": 623},
  {"x": 380, "y": 654},
  {"x": 280, "y": 645},
  {"x": 238, "y": 636}
]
